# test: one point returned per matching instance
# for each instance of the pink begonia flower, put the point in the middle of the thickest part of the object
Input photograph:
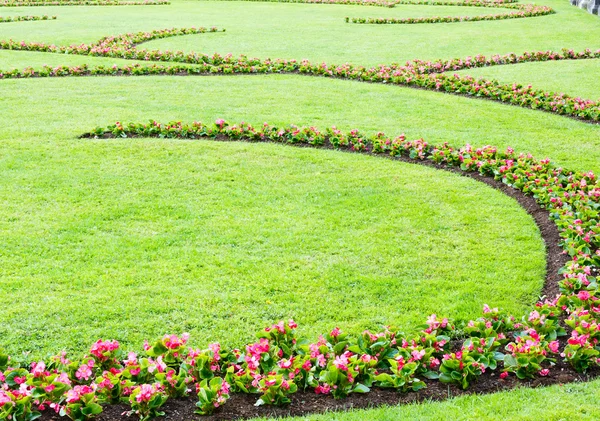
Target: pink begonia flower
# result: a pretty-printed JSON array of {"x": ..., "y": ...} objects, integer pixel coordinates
[
  {"x": 504, "y": 375},
  {"x": 307, "y": 365},
  {"x": 49, "y": 388},
  {"x": 341, "y": 362},
  {"x": 131, "y": 359},
  {"x": 544, "y": 372},
  {"x": 292, "y": 324},
  {"x": 147, "y": 392},
  {"x": 215, "y": 348},
  {"x": 175, "y": 342},
  {"x": 4, "y": 399},
  {"x": 323, "y": 389},
  {"x": 583, "y": 295},
  {"x": 553, "y": 346},
  {"x": 418, "y": 355},
  {"x": 335, "y": 332},
  {"x": 83, "y": 372},
  {"x": 534, "y": 315},
  {"x": 434, "y": 363},
  {"x": 38, "y": 369},
  {"x": 285, "y": 364},
  {"x": 64, "y": 378},
  {"x": 75, "y": 394},
  {"x": 101, "y": 347}
]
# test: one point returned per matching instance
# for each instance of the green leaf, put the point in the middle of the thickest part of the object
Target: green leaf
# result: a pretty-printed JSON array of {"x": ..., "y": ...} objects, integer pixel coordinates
[{"x": 361, "y": 388}]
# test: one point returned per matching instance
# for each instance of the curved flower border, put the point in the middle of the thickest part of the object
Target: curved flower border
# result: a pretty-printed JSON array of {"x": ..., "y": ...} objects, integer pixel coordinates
[
  {"x": 41, "y": 3},
  {"x": 279, "y": 364},
  {"x": 523, "y": 11},
  {"x": 25, "y": 18},
  {"x": 430, "y": 75}
]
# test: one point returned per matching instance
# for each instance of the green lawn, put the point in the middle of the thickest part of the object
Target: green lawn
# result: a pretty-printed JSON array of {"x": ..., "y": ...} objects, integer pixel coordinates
[
  {"x": 567, "y": 402},
  {"x": 573, "y": 77},
  {"x": 129, "y": 239}
]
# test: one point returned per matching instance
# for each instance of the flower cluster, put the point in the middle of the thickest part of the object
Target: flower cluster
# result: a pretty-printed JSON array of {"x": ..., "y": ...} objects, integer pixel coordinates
[
  {"x": 523, "y": 11},
  {"x": 25, "y": 18}
]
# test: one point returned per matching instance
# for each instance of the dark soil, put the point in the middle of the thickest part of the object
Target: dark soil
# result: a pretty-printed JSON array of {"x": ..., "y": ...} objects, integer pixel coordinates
[{"x": 241, "y": 406}]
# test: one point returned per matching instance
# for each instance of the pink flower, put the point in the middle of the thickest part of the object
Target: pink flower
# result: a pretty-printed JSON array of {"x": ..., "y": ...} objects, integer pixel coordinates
[
  {"x": 84, "y": 372},
  {"x": 504, "y": 375},
  {"x": 146, "y": 393},
  {"x": 553, "y": 346},
  {"x": 49, "y": 388},
  {"x": 583, "y": 295},
  {"x": 322, "y": 389},
  {"x": 100, "y": 348},
  {"x": 174, "y": 342},
  {"x": 418, "y": 355},
  {"x": 77, "y": 392},
  {"x": 38, "y": 369},
  {"x": 4, "y": 399},
  {"x": 292, "y": 324},
  {"x": 544, "y": 372},
  {"x": 335, "y": 332},
  {"x": 341, "y": 362}
]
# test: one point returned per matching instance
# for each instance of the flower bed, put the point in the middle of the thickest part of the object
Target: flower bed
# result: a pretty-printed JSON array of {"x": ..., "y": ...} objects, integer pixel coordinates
[
  {"x": 31, "y": 3},
  {"x": 25, "y": 18},
  {"x": 419, "y": 74},
  {"x": 279, "y": 364},
  {"x": 523, "y": 11}
]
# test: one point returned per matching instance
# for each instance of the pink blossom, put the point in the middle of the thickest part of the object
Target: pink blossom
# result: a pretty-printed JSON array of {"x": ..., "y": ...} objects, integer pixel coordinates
[
  {"x": 83, "y": 372},
  {"x": 146, "y": 393},
  {"x": 544, "y": 372},
  {"x": 323, "y": 389},
  {"x": 583, "y": 295},
  {"x": 504, "y": 375},
  {"x": 4, "y": 399}
]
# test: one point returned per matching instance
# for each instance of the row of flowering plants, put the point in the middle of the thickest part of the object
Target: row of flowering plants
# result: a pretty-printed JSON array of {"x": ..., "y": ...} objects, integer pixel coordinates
[
  {"x": 25, "y": 18},
  {"x": 431, "y": 75},
  {"x": 273, "y": 368},
  {"x": 18, "y": 3},
  {"x": 523, "y": 11},
  {"x": 381, "y": 3},
  {"x": 279, "y": 363}
]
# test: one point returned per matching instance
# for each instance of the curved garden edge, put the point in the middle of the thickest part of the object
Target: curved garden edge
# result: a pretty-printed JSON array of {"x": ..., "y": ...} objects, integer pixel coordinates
[{"x": 242, "y": 406}]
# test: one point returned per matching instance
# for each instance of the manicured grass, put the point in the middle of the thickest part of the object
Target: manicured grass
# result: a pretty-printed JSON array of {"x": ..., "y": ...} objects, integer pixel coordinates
[
  {"x": 316, "y": 32},
  {"x": 282, "y": 99},
  {"x": 572, "y": 77},
  {"x": 130, "y": 239},
  {"x": 21, "y": 59},
  {"x": 557, "y": 403}
]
